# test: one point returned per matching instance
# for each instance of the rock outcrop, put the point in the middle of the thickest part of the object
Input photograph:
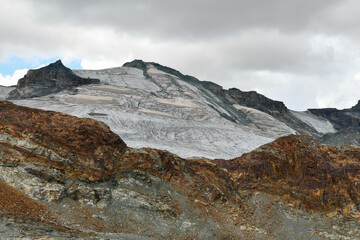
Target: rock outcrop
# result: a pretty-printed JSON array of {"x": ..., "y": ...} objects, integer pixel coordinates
[
  {"x": 87, "y": 183},
  {"x": 342, "y": 119},
  {"x": 255, "y": 100},
  {"x": 318, "y": 176},
  {"x": 347, "y": 123},
  {"x": 348, "y": 136},
  {"x": 50, "y": 79}
]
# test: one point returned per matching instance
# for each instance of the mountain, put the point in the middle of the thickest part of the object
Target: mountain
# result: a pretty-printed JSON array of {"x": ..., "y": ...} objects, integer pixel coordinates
[
  {"x": 150, "y": 105},
  {"x": 65, "y": 177}
]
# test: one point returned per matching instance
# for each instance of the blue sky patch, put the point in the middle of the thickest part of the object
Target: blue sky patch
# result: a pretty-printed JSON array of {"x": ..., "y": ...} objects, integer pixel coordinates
[{"x": 13, "y": 63}]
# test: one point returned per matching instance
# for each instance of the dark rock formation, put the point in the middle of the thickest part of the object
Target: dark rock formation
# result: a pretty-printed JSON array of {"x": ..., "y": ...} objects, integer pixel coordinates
[
  {"x": 83, "y": 179},
  {"x": 140, "y": 64},
  {"x": 348, "y": 136},
  {"x": 346, "y": 122},
  {"x": 255, "y": 100},
  {"x": 342, "y": 119},
  {"x": 356, "y": 108},
  {"x": 137, "y": 63},
  {"x": 50, "y": 79}
]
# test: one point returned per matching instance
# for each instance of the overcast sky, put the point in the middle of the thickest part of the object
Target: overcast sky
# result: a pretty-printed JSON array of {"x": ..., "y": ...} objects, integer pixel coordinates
[{"x": 305, "y": 53}]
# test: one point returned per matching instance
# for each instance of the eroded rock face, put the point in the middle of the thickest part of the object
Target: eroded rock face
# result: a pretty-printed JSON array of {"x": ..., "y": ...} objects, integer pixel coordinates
[
  {"x": 80, "y": 148},
  {"x": 318, "y": 176},
  {"x": 50, "y": 79},
  {"x": 87, "y": 183}
]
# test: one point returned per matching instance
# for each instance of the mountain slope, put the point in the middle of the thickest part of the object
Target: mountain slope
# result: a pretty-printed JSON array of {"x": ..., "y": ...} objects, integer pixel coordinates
[{"x": 103, "y": 189}]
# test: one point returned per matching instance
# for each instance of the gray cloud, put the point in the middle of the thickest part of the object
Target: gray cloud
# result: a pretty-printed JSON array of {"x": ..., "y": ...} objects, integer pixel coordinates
[{"x": 305, "y": 53}]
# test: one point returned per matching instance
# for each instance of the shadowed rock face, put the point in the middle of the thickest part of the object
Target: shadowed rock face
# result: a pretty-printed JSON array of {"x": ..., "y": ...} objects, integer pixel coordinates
[
  {"x": 50, "y": 79},
  {"x": 255, "y": 100},
  {"x": 84, "y": 178}
]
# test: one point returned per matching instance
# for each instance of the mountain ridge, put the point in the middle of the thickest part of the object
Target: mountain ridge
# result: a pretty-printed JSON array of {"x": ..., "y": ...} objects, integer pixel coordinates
[{"x": 202, "y": 109}]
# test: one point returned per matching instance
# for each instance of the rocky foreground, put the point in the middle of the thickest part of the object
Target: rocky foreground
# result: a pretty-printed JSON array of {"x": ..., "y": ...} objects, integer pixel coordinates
[{"x": 65, "y": 177}]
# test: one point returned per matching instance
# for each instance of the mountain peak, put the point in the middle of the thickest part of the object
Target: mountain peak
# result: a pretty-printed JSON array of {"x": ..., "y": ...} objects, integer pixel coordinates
[
  {"x": 55, "y": 66},
  {"x": 58, "y": 62},
  {"x": 137, "y": 63},
  {"x": 356, "y": 107},
  {"x": 52, "y": 78}
]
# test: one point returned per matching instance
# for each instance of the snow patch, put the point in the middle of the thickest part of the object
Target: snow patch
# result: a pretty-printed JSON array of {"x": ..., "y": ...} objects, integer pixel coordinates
[
  {"x": 128, "y": 77},
  {"x": 320, "y": 124},
  {"x": 145, "y": 110},
  {"x": 153, "y": 70},
  {"x": 265, "y": 121},
  {"x": 177, "y": 101},
  {"x": 4, "y": 92},
  {"x": 87, "y": 99},
  {"x": 112, "y": 89}
]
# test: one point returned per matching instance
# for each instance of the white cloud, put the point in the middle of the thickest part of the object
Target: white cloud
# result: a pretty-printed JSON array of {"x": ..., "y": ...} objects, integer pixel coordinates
[
  {"x": 98, "y": 64},
  {"x": 12, "y": 80},
  {"x": 300, "y": 52}
]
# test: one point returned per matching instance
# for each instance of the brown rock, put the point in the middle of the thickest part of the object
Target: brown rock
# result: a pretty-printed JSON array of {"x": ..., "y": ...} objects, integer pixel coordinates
[
  {"x": 321, "y": 177},
  {"x": 101, "y": 185},
  {"x": 83, "y": 148}
]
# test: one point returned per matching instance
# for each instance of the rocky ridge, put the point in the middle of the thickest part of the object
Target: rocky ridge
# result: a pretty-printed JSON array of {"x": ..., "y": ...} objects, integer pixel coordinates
[{"x": 89, "y": 184}]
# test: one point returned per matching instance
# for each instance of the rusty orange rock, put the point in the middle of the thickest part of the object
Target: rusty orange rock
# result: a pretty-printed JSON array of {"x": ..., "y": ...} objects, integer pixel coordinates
[{"x": 82, "y": 147}]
